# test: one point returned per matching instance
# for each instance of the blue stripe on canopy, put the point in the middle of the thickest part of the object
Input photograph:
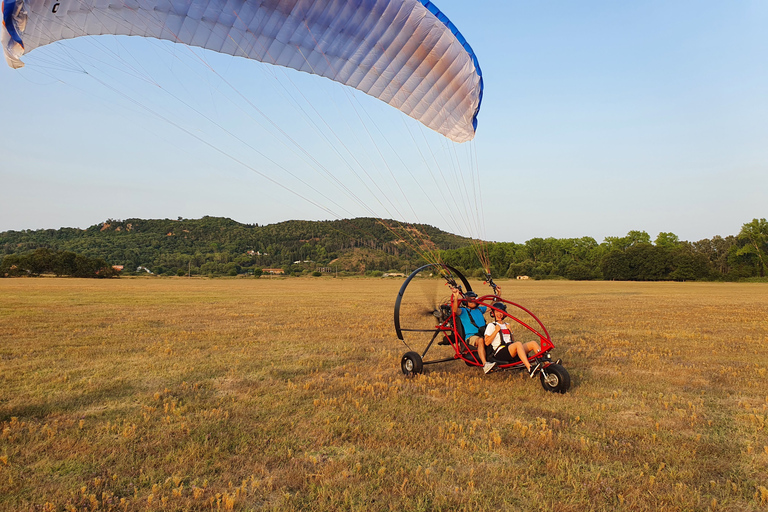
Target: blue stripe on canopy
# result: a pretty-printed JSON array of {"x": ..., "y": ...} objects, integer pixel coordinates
[
  {"x": 448, "y": 23},
  {"x": 9, "y": 8}
]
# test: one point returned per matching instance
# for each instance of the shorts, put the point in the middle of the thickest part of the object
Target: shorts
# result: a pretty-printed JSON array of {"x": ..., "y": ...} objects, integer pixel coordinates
[
  {"x": 473, "y": 340},
  {"x": 505, "y": 355}
]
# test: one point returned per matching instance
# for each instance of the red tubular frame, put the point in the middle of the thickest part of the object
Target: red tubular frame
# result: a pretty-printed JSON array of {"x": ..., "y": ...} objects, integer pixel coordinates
[{"x": 459, "y": 343}]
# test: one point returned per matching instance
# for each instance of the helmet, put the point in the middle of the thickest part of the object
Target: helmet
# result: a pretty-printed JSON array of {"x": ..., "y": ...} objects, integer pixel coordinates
[
  {"x": 500, "y": 305},
  {"x": 471, "y": 294}
]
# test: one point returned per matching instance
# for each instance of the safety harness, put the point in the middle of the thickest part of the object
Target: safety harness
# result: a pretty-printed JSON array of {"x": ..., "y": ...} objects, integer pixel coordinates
[{"x": 503, "y": 341}]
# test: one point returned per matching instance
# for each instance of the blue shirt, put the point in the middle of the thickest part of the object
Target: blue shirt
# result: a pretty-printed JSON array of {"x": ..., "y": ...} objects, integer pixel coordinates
[{"x": 477, "y": 316}]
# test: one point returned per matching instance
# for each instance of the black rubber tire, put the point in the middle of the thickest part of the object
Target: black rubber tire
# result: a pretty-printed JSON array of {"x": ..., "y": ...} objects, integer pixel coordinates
[
  {"x": 557, "y": 379},
  {"x": 411, "y": 364}
]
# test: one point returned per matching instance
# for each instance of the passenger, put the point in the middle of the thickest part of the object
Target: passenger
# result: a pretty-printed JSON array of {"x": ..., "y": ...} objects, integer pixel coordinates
[
  {"x": 502, "y": 341},
  {"x": 472, "y": 320}
]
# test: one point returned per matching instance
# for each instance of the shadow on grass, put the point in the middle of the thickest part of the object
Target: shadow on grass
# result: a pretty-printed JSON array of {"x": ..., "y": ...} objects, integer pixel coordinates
[
  {"x": 577, "y": 377},
  {"x": 42, "y": 409}
]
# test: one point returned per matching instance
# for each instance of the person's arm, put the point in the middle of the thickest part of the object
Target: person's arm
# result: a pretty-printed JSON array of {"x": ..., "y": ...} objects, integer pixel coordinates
[
  {"x": 455, "y": 298},
  {"x": 490, "y": 337}
]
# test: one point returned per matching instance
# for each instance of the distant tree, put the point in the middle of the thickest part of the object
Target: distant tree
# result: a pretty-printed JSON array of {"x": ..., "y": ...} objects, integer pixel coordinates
[
  {"x": 10, "y": 266},
  {"x": 716, "y": 251},
  {"x": 536, "y": 249},
  {"x": 667, "y": 240},
  {"x": 625, "y": 242},
  {"x": 524, "y": 268},
  {"x": 638, "y": 237},
  {"x": 687, "y": 264},
  {"x": 232, "y": 269},
  {"x": 580, "y": 272},
  {"x": 478, "y": 273},
  {"x": 322, "y": 254},
  {"x": 742, "y": 263},
  {"x": 43, "y": 260},
  {"x": 543, "y": 270},
  {"x": 615, "y": 266},
  {"x": 210, "y": 268},
  {"x": 500, "y": 256},
  {"x": 60, "y": 263},
  {"x": 648, "y": 262},
  {"x": 754, "y": 237}
]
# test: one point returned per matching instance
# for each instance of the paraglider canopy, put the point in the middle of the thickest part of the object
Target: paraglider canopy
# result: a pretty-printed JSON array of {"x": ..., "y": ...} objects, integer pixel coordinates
[
  {"x": 403, "y": 52},
  {"x": 14, "y": 22}
]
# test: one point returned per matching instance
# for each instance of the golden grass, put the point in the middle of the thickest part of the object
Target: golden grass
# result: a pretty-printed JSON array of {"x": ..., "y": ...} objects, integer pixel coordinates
[{"x": 235, "y": 394}]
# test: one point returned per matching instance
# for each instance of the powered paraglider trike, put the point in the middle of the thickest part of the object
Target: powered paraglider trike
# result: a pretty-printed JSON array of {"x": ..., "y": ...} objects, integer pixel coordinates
[{"x": 432, "y": 328}]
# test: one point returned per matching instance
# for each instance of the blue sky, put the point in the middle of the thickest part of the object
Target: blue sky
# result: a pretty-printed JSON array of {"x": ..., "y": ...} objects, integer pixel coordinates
[{"x": 598, "y": 118}]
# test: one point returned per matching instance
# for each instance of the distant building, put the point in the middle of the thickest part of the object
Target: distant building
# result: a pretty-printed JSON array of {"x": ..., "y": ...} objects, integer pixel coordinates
[
  {"x": 393, "y": 274},
  {"x": 273, "y": 271},
  {"x": 523, "y": 277},
  {"x": 119, "y": 268}
]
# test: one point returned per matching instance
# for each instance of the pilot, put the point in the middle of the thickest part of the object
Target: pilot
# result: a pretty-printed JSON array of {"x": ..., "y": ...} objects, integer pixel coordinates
[{"x": 473, "y": 321}]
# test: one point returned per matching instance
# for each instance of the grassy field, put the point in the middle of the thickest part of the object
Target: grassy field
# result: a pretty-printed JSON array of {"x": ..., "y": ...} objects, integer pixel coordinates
[{"x": 235, "y": 394}]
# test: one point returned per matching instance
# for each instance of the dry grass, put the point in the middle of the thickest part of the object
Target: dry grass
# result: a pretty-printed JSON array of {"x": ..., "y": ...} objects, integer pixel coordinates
[{"x": 175, "y": 394}]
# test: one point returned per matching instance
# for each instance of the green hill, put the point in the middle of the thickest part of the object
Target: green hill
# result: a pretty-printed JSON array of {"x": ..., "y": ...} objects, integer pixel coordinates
[
  {"x": 214, "y": 245},
  {"x": 221, "y": 246}
]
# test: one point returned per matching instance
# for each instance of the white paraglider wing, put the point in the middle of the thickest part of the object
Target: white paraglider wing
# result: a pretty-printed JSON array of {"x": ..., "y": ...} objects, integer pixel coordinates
[{"x": 403, "y": 52}]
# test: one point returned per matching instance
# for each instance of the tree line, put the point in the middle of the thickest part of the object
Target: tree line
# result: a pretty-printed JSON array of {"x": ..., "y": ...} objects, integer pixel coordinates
[
  {"x": 220, "y": 246},
  {"x": 216, "y": 246},
  {"x": 59, "y": 263},
  {"x": 634, "y": 257}
]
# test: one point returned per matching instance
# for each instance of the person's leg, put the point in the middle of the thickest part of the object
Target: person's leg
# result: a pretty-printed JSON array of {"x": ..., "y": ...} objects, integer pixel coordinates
[
  {"x": 532, "y": 346},
  {"x": 517, "y": 348},
  {"x": 480, "y": 343},
  {"x": 520, "y": 349}
]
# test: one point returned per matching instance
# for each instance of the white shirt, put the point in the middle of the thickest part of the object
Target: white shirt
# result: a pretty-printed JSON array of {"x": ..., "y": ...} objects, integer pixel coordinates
[{"x": 505, "y": 333}]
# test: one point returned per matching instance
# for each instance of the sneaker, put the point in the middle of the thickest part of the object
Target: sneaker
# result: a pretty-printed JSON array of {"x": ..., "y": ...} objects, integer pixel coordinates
[
  {"x": 534, "y": 370},
  {"x": 488, "y": 367}
]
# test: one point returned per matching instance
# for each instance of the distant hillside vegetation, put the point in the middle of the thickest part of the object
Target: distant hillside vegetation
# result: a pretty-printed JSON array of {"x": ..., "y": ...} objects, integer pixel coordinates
[
  {"x": 221, "y": 246},
  {"x": 214, "y": 246}
]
